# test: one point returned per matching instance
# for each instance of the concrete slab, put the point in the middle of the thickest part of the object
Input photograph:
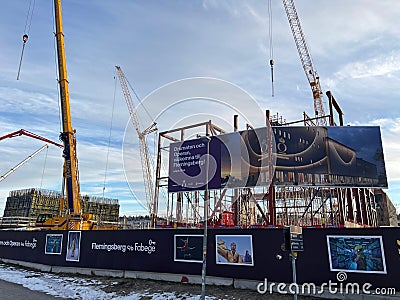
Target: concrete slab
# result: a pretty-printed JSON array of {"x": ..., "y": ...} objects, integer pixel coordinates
[
  {"x": 153, "y": 276},
  {"x": 191, "y": 279},
  {"x": 89, "y": 271},
  {"x": 245, "y": 284},
  {"x": 70, "y": 270},
  {"x": 108, "y": 273},
  {"x": 210, "y": 280},
  {"x": 41, "y": 267}
]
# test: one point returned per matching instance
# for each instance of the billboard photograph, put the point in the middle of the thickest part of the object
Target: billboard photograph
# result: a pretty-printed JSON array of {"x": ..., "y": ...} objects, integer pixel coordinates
[
  {"x": 73, "y": 246},
  {"x": 233, "y": 160},
  {"x": 329, "y": 156},
  {"x": 338, "y": 156},
  {"x": 53, "y": 244},
  {"x": 247, "y": 158},
  {"x": 361, "y": 254},
  {"x": 234, "y": 250},
  {"x": 188, "y": 248}
]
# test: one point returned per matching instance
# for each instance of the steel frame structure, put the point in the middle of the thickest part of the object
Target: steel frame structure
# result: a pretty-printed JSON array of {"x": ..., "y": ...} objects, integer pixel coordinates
[{"x": 261, "y": 206}]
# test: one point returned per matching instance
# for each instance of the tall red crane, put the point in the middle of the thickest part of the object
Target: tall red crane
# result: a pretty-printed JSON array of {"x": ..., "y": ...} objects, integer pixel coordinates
[
  {"x": 30, "y": 134},
  {"x": 306, "y": 61}
]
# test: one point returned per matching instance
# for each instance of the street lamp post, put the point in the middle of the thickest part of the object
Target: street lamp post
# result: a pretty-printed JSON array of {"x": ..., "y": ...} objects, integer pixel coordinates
[{"x": 207, "y": 139}]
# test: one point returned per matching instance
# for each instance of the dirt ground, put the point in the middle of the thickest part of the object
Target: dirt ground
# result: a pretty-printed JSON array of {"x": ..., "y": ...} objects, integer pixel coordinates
[
  {"x": 160, "y": 290},
  {"x": 123, "y": 286}
]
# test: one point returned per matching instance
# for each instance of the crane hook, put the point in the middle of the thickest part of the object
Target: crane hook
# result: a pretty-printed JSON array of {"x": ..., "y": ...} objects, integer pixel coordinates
[
  {"x": 24, "y": 39},
  {"x": 271, "y": 63}
]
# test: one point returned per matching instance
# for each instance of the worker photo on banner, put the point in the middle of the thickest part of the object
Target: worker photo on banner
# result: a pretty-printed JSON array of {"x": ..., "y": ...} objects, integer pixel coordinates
[
  {"x": 234, "y": 250},
  {"x": 73, "y": 246},
  {"x": 360, "y": 254},
  {"x": 53, "y": 244}
]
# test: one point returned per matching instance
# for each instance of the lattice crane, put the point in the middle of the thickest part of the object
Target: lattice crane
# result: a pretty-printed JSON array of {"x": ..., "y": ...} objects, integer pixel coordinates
[
  {"x": 144, "y": 151},
  {"x": 12, "y": 170},
  {"x": 306, "y": 60}
]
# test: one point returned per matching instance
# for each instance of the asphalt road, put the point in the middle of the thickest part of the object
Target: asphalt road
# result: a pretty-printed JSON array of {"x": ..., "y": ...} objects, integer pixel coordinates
[
  {"x": 14, "y": 291},
  {"x": 122, "y": 287}
]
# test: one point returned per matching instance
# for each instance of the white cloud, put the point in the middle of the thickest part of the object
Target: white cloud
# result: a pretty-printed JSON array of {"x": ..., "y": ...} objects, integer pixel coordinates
[{"x": 383, "y": 65}]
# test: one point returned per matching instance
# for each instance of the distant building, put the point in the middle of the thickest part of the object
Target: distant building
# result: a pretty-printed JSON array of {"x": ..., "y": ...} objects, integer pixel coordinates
[
  {"x": 139, "y": 222},
  {"x": 29, "y": 203},
  {"x": 386, "y": 211}
]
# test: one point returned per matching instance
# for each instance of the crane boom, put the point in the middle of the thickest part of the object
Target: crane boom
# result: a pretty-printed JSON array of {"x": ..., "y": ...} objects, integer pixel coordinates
[
  {"x": 12, "y": 170},
  {"x": 306, "y": 61},
  {"x": 70, "y": 173},
  {"x": 30, "y": 134},
  {"x": 144, "y": 151}
]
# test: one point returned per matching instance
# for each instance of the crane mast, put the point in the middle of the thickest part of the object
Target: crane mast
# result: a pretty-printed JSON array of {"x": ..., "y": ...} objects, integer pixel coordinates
[
  {"x": 306, "y": 61},
  {"x": 144, "y": 151},
  {"x": 67, "y": 136}
]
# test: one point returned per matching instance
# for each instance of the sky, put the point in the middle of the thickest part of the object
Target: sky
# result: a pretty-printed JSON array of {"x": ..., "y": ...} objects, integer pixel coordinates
[{"x": 354, "y": 46}]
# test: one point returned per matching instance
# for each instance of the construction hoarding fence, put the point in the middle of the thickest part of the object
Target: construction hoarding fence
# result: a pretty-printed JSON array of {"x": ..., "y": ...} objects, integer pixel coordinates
[{"x": 368, "y": 255}]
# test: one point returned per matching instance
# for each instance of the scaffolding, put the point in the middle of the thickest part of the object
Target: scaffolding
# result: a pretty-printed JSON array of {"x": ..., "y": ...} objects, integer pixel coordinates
[
  {"x": 106, "y": 209},
  {"x": 32, "y": 202},
  {"x": 29, "y": 203}
]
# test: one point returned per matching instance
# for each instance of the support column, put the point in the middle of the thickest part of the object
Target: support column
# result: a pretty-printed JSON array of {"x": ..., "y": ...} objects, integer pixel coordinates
[{"x": 350, "y": 210}]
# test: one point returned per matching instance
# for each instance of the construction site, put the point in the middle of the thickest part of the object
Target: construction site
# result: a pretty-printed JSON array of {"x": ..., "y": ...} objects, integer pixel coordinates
[
  {"x": 237, "y": 196},
  {"x": 270, "y": 206},
  {"x": 307, "y": 199}
]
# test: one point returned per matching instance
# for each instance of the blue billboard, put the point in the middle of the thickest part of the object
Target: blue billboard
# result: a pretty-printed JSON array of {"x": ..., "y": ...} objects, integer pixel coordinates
[{"x": 337, "y": 156}]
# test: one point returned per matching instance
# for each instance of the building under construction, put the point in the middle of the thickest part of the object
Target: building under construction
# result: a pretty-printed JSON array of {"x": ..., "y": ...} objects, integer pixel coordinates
[
  {"x": 27, "y": 204},
  {"x": 315, "y": 205}
]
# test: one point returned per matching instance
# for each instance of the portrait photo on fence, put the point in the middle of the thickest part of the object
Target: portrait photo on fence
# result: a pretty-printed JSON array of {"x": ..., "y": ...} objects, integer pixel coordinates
[
  {"x": 234, "y": 250},
  {"x": 73, "y": 246}
]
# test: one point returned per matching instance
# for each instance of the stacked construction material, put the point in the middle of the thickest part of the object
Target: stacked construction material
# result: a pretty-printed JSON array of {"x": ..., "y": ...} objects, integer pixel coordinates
[
  {"x": 107, "y": 210},
  {"x": 29, "y": 203}
]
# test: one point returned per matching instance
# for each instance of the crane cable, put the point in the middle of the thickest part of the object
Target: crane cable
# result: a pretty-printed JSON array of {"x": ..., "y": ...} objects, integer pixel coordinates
[
  {"x": 151, "y": 118},
  {"x": 27, "y": 29},
  {"x": 44, "y": 167},
  {"x": 109, "y": 137},
  {"x": 271, "y": 46},
  {"x": 140, "y": 101},
  {"x": 56, "y": 72}
]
